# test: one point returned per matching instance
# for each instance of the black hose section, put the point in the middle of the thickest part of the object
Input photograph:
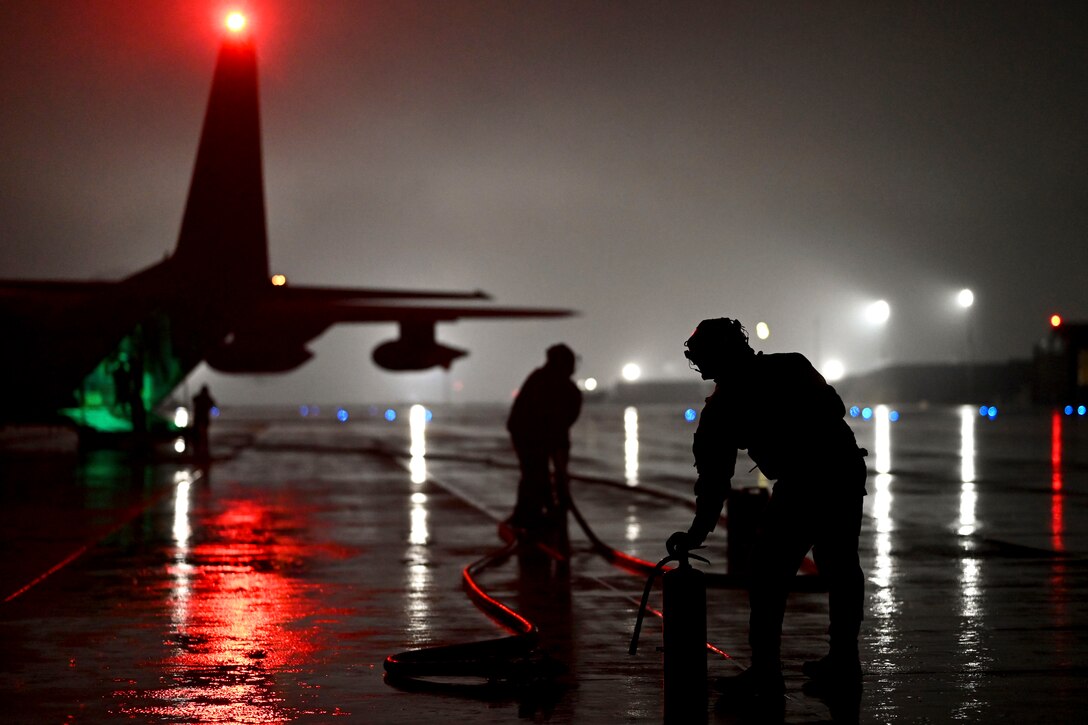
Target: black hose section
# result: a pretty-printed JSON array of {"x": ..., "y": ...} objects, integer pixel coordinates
[
  {"x": 645, "y": 601},
  {"x": 613, "y": 556}
]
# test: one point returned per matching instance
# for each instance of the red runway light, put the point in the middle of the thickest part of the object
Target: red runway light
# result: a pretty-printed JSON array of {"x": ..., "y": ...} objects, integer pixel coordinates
[
  {"x": 236, "y": 22},
  {"x": 1055, "y": 320}
]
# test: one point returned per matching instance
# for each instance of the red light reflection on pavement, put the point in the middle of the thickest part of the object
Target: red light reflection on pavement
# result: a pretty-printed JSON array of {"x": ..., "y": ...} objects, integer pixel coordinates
[
  {"x": 1058, "y": 586},
  {"x": 238, "y": 635},
  {"x": 1056, "y": 523}
]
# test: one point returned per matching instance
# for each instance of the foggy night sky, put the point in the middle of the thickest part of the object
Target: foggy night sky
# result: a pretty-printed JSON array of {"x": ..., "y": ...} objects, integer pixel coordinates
[{"x": 647, "y": 163}]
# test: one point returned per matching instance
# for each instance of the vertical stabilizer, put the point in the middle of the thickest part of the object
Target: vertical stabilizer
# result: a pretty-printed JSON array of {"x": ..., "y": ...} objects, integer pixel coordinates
[{"x": 223, "y": 241}]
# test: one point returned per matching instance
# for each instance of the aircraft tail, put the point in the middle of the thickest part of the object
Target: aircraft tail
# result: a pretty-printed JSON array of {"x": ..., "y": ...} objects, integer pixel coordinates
[{"x": 223, "y": 241}]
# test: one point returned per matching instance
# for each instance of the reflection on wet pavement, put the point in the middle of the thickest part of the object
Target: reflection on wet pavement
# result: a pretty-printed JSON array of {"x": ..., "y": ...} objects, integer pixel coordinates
[{"x": 272, "y": 589}]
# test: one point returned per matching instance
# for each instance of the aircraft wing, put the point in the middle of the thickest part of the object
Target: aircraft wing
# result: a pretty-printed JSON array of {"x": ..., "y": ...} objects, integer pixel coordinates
[
  {"x": 15, "y": 291},
  {"x": 273, "y": 333},
  {"x": 374, "y": 305},
  {"x": 350, "y": 294}
]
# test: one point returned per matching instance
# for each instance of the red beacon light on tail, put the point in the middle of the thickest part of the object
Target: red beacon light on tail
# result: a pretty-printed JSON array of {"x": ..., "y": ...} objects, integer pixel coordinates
[{"x": 235, "y": 22}]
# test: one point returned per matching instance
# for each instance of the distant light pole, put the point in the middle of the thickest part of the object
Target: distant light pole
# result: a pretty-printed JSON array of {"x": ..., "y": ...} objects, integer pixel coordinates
[
  {"x": 965, "y": 298},
  {"x": 878, "y": 313}
]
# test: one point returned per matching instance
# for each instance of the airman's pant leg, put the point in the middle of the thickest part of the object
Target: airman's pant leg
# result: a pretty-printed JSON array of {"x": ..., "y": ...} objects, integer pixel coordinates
[
  {"x": 836, "y": 556},
  {"x": 534, "y": 487},
  {"x": 782, "y": 545}
]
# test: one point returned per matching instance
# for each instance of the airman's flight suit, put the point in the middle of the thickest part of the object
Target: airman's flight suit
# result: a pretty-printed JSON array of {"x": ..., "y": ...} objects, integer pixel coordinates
[{"x": 791, "y": 422}]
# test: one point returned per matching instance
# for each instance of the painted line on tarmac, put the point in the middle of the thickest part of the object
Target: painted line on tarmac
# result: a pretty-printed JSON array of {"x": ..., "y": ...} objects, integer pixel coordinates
[{"x": 126, "y": 519}]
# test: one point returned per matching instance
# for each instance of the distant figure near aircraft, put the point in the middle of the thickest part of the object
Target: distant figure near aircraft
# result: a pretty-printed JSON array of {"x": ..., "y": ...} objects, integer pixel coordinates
[
  {"x": 791, "y": 421},
  {"x": 202, "y": 416},
  {"x": 546, "y": 407}
]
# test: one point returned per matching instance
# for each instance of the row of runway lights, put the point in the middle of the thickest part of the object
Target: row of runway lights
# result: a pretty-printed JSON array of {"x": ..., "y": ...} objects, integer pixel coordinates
[
  {"x": 342, "y": 414},
  {"x": 866, "y": 413},
  {"x": 690, "y": 414}
]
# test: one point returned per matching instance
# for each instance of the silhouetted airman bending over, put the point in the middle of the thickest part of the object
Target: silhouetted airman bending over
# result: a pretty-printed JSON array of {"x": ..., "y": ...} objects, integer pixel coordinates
[
  {"x": 791, "y": 422},
  {"x": 545, "y": 408}
]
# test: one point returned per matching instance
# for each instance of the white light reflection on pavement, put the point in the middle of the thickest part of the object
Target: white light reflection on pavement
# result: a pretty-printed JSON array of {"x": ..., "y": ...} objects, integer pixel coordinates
[
  {"x": 885, "y": 605},
  {"x": 883, "y": 439},
  {"x": 633, "y": 528},
  {"x": 417, "y": 427},
  {"x": 971, "y": 610},
  {"x": 630, "y": 446},
  {"x": 418, "y": 534},
  {"x": 968, "y": 495},
  {"x": 419, "y": 579},
  {"x": 181, "y": 571}
]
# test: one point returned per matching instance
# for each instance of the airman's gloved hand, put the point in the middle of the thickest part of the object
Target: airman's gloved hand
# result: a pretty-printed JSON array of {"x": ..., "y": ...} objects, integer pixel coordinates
[{"x": 680, "y": 541}]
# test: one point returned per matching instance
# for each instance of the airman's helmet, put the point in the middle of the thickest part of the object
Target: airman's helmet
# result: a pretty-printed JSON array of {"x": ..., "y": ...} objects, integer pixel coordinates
[
  {"x": 715, "y": 343},
  {"x": 561, "y": 357}
]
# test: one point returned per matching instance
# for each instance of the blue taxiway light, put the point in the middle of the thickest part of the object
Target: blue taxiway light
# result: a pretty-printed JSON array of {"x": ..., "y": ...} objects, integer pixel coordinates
[
  {"x": 215, "y": 411},
  {"x": 341, "y": 415},
  {"x": 983, "y": 410},
  {"x": 690, "y": 415},
  {"x": 893, "y": 416},
  {"x": 866, "y": 413},
  {"x": 304, "y": 410},
  {"x": 390, "y": 415},
  {"x": 991, "y": 412},
  {"x": 428, "y": 415},
  {"x": 855, "y": 411},
  {"x": 1069, "y": 410},
  {"x": 1081, "y": 410}
]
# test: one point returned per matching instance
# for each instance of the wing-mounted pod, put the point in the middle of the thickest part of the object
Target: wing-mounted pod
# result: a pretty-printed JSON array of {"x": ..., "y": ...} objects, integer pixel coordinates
[{"x": 416, "y": 349}]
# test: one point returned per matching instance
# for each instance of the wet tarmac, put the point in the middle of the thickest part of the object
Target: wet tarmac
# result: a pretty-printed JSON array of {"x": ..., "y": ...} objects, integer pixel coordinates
[{"x": 271, "y": 586}]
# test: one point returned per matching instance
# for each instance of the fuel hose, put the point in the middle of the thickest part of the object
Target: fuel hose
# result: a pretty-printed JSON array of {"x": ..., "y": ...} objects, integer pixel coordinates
[{"x": 500, "y": 667}]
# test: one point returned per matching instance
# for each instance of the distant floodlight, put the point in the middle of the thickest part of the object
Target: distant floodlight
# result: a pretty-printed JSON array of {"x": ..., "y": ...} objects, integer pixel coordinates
[
  {"x": 279, "y": 280},
  {"x": 834, "y": 370},
  {"x": 591, "y": 384},
  {"x": 236, "y": 22},
  {"x": 181, "y": 417},
  {"x": 631, "y": 372},
  {"x": 878, "y": 312},
  {"x": 965, "y": 298},
  {"x": 1055, "y": 320},
  {"x": 179, "y": 445},
  {"x": 762, "y": 330}
]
